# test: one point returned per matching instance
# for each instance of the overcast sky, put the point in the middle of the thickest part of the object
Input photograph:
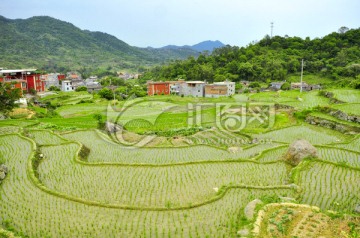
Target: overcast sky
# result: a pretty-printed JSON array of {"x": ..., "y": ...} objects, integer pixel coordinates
[{"x": 158, "y": 23}]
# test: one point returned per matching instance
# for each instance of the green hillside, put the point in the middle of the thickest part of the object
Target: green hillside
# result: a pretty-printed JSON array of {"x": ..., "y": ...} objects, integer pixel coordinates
[
  {"x": 50, "y": 44},
  {"x": 335, "y": 56}
]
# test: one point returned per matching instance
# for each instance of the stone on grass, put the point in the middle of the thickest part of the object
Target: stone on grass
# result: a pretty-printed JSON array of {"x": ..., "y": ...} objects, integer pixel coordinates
[
  {"x": 4, "y": 168},
  {"x": 299, "y": 150},
  {"x": 250, "y": 208},
  {"x": 357, "y": 208},
  {"x": 2, "y": 175},
  {"x": 243, "y": 233}
]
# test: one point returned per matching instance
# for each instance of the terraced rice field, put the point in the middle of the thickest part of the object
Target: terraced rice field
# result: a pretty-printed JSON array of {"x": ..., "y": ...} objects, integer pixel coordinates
[
  {"x": 330, "y": 187},
  {"x": 198, "y": 190},
  {"x": 315, "y": 135}
]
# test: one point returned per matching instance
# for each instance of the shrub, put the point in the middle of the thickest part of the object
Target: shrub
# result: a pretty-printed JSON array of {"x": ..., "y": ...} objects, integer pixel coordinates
[
  {"x": 106, "y": 93},
  {"x": 81, "y": 89},
  {"x": 54, "y": 88},
  {"x": 286, "y": 86},
  {"x": 301, "y": 115},
  {"x": 254, "y": 85}
]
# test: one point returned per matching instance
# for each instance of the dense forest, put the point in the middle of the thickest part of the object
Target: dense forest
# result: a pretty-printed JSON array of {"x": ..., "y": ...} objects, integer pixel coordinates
[{"x": 334, "y": 56}]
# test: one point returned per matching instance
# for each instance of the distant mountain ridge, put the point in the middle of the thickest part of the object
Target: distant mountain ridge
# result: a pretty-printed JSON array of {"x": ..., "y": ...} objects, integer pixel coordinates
[
  {"x": 51, "y": 44},
  {"x": 200, "y": 47}
]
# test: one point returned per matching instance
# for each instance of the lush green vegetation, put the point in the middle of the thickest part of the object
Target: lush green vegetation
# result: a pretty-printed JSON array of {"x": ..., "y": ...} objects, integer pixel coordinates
[
  {"x": 69, "y": 177},
  {"x": 333, "y": 57},
  {"x": 8, "y": 96},
  {"x": 188, "y": 181},
  {"x": 53, "y": 45}
]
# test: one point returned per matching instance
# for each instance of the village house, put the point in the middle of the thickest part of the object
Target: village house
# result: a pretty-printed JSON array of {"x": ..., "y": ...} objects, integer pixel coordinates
[
  {"x": 220, "y": 89},
  {"x": 276, "y": 85},
  {"x": 192, "y": 88},
  {"x": 158, "y": 88},
  {"x": 92, "y": 84},
  {"x": 76, "y": 80},
  {"x": 305, "y": 86},
  {"x": 93, "y": 87},
  {"x": 67, "y": 86},
  {"x": 53, "y": 79},
  {"x": 24, "y": 79}
]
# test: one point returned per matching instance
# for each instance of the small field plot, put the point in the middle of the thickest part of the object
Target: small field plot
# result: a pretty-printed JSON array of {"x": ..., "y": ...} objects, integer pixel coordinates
[
  {"x": 65, "y": 98},
  {"x": 347, "y": 95},
  {"x": 18, "y": 122},
  {"x": 104, "y": 150},
  {"x": 292, "y": 98},
  {"x": 44, "y": 137},
  {"x": 9, "y": 129},
  {"x": 82, "y": 109},
  {"x": 352, "y": 145},
  {"x": 149, "y": 186},
  {"x": 272, "y": 154},
  {"x": 340, "y": 156},
  {"x": 330, "y": 187},
  {"x": 349, "y": 108},
  {"x": 219, "y": 138},
  {"x": 313, "y": 134},
  {"x": 309, "y": 100}
]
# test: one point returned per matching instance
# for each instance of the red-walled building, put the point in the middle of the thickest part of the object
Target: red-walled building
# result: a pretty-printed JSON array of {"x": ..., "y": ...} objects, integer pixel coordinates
[
  {"x": 158, "y": 88},
  {"x": 61, "y": 77},
  {"x": 25, "y": 79}
]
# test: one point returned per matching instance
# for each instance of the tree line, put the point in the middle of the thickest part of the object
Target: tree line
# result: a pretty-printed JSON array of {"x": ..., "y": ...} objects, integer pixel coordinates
[{"x": 271, "y": 59}]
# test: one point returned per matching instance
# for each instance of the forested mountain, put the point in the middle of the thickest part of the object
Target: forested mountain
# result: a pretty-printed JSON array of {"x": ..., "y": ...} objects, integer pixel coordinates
[
  {"x": 335, "y": 55},
  {"x": 50, "y": 44}
]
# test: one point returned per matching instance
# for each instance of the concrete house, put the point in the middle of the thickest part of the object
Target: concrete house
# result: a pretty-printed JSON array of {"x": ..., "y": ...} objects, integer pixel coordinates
[
  {"x": 192, "y": 88},
  {"x": 158, "y": 88},
  {"x": 24, "y": 79},
  {"x": 52, "y": 79},
  {"x": 66, "y": 86},
  {"x": 276, "y": 85},
  {"x": 220, "y": 89}
]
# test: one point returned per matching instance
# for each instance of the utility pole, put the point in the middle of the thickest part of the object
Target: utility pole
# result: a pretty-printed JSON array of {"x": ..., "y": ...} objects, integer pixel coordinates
[
  {"x": 272, "y": 28},
  {"x": 301, "y": 77}
]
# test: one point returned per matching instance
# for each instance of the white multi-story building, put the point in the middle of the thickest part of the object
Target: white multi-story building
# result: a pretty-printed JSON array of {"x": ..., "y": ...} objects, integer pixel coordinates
[{"x": 66, "y": 86}]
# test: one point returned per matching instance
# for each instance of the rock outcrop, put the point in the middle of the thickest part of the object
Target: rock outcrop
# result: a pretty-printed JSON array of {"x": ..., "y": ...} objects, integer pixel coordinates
[{"x": 299, "y": 150}]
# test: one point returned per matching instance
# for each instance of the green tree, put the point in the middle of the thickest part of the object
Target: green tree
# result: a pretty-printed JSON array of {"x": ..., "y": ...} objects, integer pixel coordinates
[
  {"x": 81, "y": 89},
  {"x": 246, "y": 71},
  {"x": 286, "y": 86},
  {"x": 8, "y": 96},
  {"x": 54, "y": 88},
  {"x": 106, "y": 93},
  {"x": 100, "y": 120},
  {"x": 254, "y": 85}
]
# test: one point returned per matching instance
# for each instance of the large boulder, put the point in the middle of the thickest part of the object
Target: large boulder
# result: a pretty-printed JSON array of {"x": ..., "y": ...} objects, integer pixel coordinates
[{"x": 299, "y": 150}]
